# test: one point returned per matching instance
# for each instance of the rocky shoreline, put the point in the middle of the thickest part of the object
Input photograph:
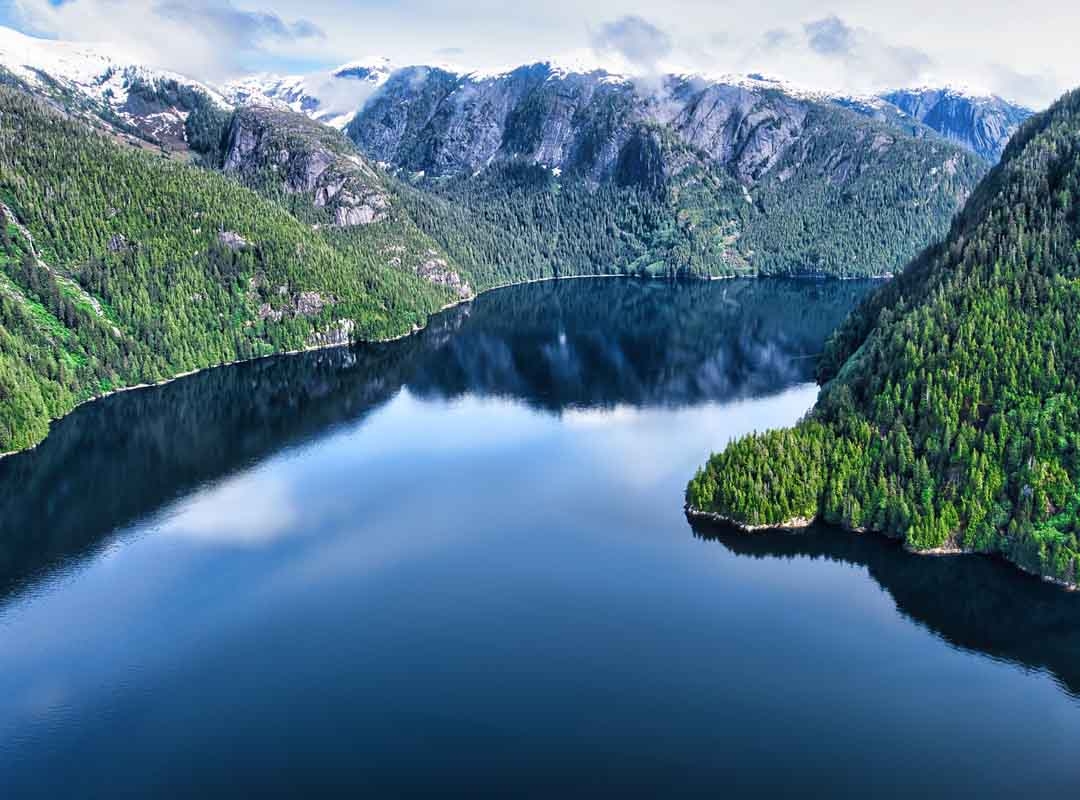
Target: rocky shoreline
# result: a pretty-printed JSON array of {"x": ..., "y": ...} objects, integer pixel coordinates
[
  {"x": 801, "y": 524},
  {"x": 792, "y": 525}
]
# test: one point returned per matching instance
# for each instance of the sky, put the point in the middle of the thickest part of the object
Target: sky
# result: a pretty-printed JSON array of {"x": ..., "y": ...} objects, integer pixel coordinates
[{"x": 858, "y": 46}]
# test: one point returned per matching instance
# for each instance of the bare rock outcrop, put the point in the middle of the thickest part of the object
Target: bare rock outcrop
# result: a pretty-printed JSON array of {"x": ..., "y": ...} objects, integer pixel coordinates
[{"x": 269, "y": 147}]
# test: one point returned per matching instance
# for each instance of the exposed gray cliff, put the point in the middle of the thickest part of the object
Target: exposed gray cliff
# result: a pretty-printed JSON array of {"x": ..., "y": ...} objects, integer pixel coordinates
[
  {"x": 438, "y": 123},
  {"x": 983, "y": 125},
  {"x": 276, "y": 150}
]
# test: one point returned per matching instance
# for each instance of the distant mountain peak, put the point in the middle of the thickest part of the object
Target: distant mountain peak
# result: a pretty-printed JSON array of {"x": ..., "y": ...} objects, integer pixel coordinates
[
  {"x": 364, "y": 66},
  {"x": 330, "y": 97},
  {"x": 144, "y": 105},
  {"x": 980, "y": 121}
]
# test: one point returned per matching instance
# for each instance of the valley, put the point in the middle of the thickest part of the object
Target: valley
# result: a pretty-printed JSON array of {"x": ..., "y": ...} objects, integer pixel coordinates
[
  {"x": 270, "y": 231},
  {"x": 413, "y": 399}
]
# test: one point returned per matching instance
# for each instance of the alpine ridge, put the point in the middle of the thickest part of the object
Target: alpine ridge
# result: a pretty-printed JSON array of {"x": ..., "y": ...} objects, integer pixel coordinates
[
  {"x": 742, "y": 177},
  {"x": 982, "y": 123}
]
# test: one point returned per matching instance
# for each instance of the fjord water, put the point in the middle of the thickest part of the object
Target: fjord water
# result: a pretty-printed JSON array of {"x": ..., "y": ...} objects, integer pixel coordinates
[{"x": 458, "y": 563}]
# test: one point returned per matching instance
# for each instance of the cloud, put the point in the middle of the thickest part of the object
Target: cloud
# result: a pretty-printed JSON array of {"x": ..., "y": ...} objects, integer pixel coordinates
[
  {"x": 223, "y": 21},
  {"x": 636, "y": 41},
  {"x": 1037, "y": 89},
  {"x": 830, "y": 36},
  {"x": 776, "y": 38},
  {"x": 856, "y": 48},
  {"x": 860, "y": 57},
  {"x": 203, "y": 38}
]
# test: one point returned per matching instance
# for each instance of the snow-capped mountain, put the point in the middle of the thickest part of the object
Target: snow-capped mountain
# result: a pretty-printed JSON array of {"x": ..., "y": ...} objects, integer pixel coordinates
[
  {"x": 978, "y": 122},
  {"x": 330, "y": 97},
  {"x": 130, "y": 99},
  {"x": 150, "y": 105},
  {"x": 442, "y": 122}
]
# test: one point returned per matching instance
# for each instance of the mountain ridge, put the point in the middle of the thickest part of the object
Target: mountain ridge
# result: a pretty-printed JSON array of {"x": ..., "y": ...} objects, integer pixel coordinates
[
  {"x": 95, "y": 296},
  {"x": 746, "y": 178}
]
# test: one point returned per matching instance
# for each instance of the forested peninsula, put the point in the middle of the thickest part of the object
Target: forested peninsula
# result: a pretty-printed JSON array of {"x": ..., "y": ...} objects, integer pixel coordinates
[{"x": 950, "y": 414}]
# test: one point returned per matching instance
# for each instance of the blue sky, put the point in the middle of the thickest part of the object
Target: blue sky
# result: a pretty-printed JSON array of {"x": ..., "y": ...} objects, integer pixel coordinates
[{"x": 850, "y": 45}]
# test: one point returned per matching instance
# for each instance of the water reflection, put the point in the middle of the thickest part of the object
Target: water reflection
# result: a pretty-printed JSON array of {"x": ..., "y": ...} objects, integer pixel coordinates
[
  {"x": 975, "y": 603},
  {"x": 597, "y": 344},
  {"x": 460, "y": 558},
  {"x": 553, "y": 346}
]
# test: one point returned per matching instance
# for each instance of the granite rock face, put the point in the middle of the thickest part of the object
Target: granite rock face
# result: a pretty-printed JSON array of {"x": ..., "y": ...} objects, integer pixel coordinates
[
  {"x": 591, "y": 125},
  {"x": 982, "y": 125},
  {"x": 438, "y": 271},
  {"x": 270, "y": 148}
]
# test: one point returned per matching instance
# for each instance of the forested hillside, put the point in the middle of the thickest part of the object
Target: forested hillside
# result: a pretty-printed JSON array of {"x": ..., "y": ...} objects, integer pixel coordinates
[
  {"x": 695, "y": 178},
  {"x": 950, "y": 414},
  {"x": 120, "y": 267}
]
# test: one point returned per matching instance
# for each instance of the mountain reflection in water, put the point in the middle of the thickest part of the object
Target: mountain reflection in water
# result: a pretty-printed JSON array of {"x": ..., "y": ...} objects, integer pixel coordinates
[
  {"x": 973, "y": 602},
  {"x": 554, "y": 346},
  {"x": 458, "y": 564}
]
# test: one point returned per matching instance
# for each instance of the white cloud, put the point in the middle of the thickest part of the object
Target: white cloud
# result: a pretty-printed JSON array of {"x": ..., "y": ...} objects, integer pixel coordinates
[
  {"x": 204, "y": 38},
  {"x": 635, "y": 40},
  {"x": 844, "y": 44},
  {"x": 249, "y": 510}
]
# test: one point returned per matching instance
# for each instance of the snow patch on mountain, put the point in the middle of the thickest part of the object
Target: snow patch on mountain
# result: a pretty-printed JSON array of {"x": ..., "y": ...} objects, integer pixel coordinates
[
  {"x": 106, "y": 88},
  {"x": 88, "y": 69},
  {"x": 332, "y": 98}
]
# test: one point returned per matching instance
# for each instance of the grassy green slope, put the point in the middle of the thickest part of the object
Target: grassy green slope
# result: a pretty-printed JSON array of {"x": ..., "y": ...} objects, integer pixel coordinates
[{"x": 951, "y": 412}]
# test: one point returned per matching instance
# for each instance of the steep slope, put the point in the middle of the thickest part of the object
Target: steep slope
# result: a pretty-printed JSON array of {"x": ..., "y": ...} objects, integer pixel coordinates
[
  {"x": 139, "y": 105},
  {"x": 286, "y": 153},
  {"x": 740, "y": 177},
  {"x": 317, "y": 174},
  {"x": 981, "y": 123},
  {"x": 950, "y": 415},
  {"x": 119, "y": 267}
]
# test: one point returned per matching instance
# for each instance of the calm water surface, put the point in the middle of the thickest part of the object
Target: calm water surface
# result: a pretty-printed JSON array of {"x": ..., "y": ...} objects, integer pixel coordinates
[{"x": 458, "y": 564}]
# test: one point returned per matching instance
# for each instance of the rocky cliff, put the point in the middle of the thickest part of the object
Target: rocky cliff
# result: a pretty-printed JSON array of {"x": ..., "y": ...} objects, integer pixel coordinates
[
  {"x": 440, "y": 123},
  {"x": 743, "y": 176},
  {"x": 981, "y": 124},
  {"x": 280, "y": 151}
]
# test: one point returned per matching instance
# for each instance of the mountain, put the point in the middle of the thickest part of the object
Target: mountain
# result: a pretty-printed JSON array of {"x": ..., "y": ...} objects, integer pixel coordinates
[
  {"x": 950, "y": 414},
  {"x": 123, "y": 265},
  {"x": 982, "y": 123},
  {"x": 119, "y": 267},
  {"x": 328, "y": 97},
  {"x": 138, "y": 105},
  {"x": 281, "y": 151},
  {"x": 442, "y": 123},
  {"x": 740, "y": 177},
  {"x": 316, "y": 173}
]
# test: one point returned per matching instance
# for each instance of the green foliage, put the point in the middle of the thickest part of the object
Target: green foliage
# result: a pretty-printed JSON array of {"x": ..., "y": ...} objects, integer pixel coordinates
[
  {"x": 518, "y": 222},
  {"x": 122, "y": 267},
  {"x": 834, "y": 207},
  {"x": 206, "y": 125},
  {"x": 837, "y": 207},
  {"x": 951, "y": 413}
]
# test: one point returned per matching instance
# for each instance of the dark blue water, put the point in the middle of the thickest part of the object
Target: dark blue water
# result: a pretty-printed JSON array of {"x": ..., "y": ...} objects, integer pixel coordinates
[{"x": 458, "y": 565}]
